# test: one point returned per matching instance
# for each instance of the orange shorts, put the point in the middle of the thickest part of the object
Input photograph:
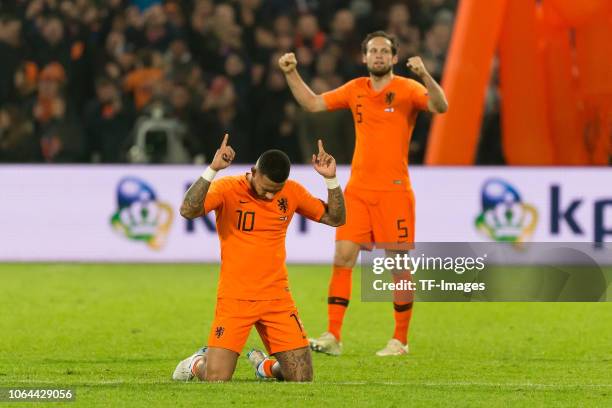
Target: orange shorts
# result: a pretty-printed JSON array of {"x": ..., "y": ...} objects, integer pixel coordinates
[
  {"x": 277, "y": 322},
  {"x": 383, "y": 218}
]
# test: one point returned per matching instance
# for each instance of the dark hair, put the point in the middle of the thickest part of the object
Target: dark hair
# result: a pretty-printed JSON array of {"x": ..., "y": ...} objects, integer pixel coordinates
[
  {"x": 380, "y": 33},
  {"x": 275, "y": 164}
]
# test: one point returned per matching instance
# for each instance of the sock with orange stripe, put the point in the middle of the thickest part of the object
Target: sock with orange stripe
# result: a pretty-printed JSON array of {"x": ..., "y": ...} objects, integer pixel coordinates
[
  {"x": 265, "y": 368},
  {"x": 402, "y": 306},
  {"x": 338, "y": 300},
  {"x": 198, "y": 367}
]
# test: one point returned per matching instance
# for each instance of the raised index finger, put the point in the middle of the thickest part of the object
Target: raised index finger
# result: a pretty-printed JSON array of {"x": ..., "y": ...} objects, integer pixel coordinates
[
  {"x": 224, "y": 143},
  {"x": 321, "y": 150}
]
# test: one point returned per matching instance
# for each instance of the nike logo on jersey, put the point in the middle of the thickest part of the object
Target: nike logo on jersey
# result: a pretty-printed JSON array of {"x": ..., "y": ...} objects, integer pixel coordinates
[
  {"x": 243, "y": 201},
  {"x": 389, "y": 110}
]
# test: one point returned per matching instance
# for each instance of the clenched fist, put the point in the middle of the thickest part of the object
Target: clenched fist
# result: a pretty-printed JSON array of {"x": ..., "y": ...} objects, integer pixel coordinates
[
  {"x": 416, "y": 65},
  {"x": 287, "y": 62}
]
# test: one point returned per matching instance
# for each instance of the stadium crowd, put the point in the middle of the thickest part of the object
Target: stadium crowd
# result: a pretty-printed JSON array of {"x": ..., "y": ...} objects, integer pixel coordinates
[{"x": 108, "y": 81}]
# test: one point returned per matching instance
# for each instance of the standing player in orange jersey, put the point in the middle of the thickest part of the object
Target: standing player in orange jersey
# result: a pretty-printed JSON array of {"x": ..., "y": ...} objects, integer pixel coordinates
[
  {"x": 379, "y": 199},
  {"x": 253, "y": 212}
]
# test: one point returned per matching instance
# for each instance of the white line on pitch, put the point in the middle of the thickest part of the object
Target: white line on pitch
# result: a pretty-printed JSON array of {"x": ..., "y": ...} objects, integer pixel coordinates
[{"x": 392, "y": 383}]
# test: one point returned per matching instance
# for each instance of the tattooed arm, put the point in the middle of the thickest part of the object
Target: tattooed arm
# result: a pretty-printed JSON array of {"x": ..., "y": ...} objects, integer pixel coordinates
[
  {"x": 335, "y": 211},
  {"x": 295, "y": 365},
  {"x": 193, "y": 202}
]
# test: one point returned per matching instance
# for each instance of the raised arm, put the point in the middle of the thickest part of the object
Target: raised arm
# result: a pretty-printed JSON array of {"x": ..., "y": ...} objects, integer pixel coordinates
[
  {"x": 325, "y": 165},
  {"x": 437, "y": 99},
  {"x": 193, "y": 202},
  {"x": 309, "y": 100}
]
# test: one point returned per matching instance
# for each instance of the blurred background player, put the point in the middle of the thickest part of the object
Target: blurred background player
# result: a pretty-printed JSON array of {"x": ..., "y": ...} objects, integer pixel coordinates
[
  {"x": 253, "y": 212},
  {"x": 379, "y": 199}
]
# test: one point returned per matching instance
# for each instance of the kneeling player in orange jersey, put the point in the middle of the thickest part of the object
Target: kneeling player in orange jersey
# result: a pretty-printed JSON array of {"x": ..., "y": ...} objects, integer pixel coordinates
[{"x": 253, "y": 212}]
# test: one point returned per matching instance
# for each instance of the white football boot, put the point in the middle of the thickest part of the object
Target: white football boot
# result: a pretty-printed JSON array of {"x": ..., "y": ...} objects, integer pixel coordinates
[
  {"x": 183, "y": 372},
  {"x": 326, "y": 343},
  {"x": 256, "y": 357},
  {"x": 394, "y": 348}
]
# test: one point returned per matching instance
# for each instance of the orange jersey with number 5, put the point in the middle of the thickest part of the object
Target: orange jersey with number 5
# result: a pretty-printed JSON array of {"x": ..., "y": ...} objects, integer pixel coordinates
[
  {"x": 252, "y": 235},
  {"x": 384, "y": 121}
]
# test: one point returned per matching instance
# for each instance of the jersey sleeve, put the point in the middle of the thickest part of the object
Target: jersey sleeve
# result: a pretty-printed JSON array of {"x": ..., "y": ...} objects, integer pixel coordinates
[
  {"x": 338, "y": 98},
  {"x": 419, "y": 95},
  {"x": 216, "y": 195},
  {"x": 308, "y": 205}
]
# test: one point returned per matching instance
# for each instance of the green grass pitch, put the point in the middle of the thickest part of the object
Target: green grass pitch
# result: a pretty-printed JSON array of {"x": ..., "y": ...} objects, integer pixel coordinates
[{"x": 116, "y": 332}]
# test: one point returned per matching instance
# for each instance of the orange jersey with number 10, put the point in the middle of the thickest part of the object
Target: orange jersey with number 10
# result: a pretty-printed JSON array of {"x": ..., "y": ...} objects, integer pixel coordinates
[
  {"x": 252, "y": 235},
  {"x": 384, "y": 121}
]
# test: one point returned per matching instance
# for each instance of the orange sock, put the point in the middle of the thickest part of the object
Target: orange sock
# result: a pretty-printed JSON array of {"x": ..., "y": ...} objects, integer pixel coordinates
[
  {"x": 338, "y": 300},
  {"x": 267, "y": 367},
  {"x": 402, "y": 305},
  {"x": 403, "y": 314}
]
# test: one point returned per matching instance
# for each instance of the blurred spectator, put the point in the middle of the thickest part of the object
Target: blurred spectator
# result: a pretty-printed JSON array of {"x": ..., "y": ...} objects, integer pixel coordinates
[
  {"x": 184, "y": 107},
  {"x": 178, "y": 61},
  {"x": 436, "y": 43},
  {"x": 309, "y": 34},
  {"x": 10, "y": 50},
  {"x": 344, "y": 44},
  {"x": 399, "y": 24},
  {"x": 109, "y": 121},
  {"x": 56, "y": 127},
  {"x": 142, "y": 81},
  {"x": 17, "y": 140},
  {"x": 25, "y": 82},
  {"x": 307, "y": 59},
  {"x": 276, "y": 113},
  {"x": 429, "y": 9},
  {"x": 116, "y": 58},
  {"x": 326, "y": 68},
  {"x": 175, "y": 16},
  {"x": 283, "y": 25},
  {"x": 50, "y": 45},
  {"x": 158, "y": 33},
  {"x": 221, "y": 115},
  {"x": 236, "y": 71}
]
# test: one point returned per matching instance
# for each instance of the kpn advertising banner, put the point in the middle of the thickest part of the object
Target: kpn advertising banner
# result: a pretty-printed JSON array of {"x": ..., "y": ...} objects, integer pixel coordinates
[{"x": 131, "y": 213}]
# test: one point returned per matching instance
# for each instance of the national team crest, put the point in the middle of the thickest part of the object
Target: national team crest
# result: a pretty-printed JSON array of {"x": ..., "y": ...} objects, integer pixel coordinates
[
  {"x": 219, "y": 331},
  {"x": 283, "y": 204},
  {"x": 389, "y": 97}
]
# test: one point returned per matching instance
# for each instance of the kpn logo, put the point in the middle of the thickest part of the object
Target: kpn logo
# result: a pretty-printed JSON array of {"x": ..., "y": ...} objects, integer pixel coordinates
[
  {"x": 505, "y": 217},
  {"x": 140, "y": 216}
]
